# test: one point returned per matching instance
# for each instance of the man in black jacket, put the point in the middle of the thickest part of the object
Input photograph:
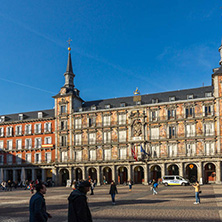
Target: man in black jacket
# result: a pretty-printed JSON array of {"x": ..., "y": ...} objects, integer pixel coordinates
[
  {"x": 78, "y": 206},
  {"x": 37, "y": 206}
]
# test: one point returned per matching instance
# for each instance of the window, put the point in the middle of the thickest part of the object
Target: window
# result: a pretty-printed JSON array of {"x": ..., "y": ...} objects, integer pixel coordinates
[
  {"x": 28, "y": 129},
  {"x": 78, "y": 123},
  {"x": 28, "y": 143},
  {"x": 1, "y": 145},
  {"x": 208, "y": 94},
  {"x": 48, "y": 157},
  {"x": 154, "y": 133},
  {"x": 18, "y": 130},
  {"x": 171, "y": 114},
  {"x": 92, "y": 121},
  {"x": 209, "y": 129},
  {"x": 190, "y": 149},
  {"x": 172, "y": 98},
  {"x": 122, "y": 136},
  {"x": 209, "y": 148},
  {"x": 107, "y": 154},
  {"x": 189, "y": 112},
  {"x": 38, "y": 128},
  {"x": 18, "y": 158},
  {"x": 153, "y": 115},
  {"x": 122, "y": 119},
  {"x": 1, "y": 131},
  {"x": 207, "y": 110},
  {"x": 19, "y": 144},
  {"x": 78, "y": 155},
  {"x": 107, "y": 106},
  {"x": 92, "y": 138},
  {"x": 1, "y": 159},
  {"x": 63, "y": 125},
  {"x": 172, "y": 150},
  {"x": 63, "y": 109},
  {"x": 93, "y": 107},
  {"x": 154, "y": 101},
  {"x": 155, "y": 151},
  {"x": 78, "y": 139},
  {"x": 172, "y": 132},
  {"x": 48, "y": 140},
  {"x": 38, "y": 158},
  {"x": 9, "y": 144},
  {"x": 63, "y": 140},
  {"x": 92, "y": 155},
  {"x": 2, "y": 119},
  {"x": 106, "y": 120},
  {"x": 20, "y": 117},
  {"x": 190, "y": 130},
  {"x": 38, "y": 142},
  {"x": 122, "y": 104},
  {"x": 190, "y": 96},
  {"x": 9, "y": 159},
  {"x": 138, "y": 103},
  {"x": 122, "y": 153},
  {"x": 107, "y": 137},
  {"x": 48, "y": 127},
  {"x": 9, "y": 131},
  {"x": 40, "y": 115},
  {"x": 28, "y": 157}
]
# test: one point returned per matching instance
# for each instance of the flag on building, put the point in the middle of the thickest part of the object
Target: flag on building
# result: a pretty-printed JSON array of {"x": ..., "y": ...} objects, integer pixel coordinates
[
  {"x": 133, "y": 153},
  {"x": 143, "y": 151}
]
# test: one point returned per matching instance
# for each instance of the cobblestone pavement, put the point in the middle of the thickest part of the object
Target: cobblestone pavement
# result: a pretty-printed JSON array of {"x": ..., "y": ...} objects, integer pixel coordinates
[{"x": 171, "y": 204}]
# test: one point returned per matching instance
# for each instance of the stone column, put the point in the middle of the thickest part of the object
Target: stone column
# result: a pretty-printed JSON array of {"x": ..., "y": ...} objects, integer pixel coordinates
[
  {"x": 98, "y": 175},
  {"x": 163, "y": 169},
  {"x": 74, "y": 173},
  {"x": 200, "y": 172},
  {"x": 181, "y": 169},
  {"x": 14, "y": 174},
  {"x": 33, "y": 174},
  {"x": 218, "y": 172},
  {"x": 43, "y": 175},
  {"x": 130, "y": 172},
  {"x": 55, "y": 175},
  {"x": 145, "y": 175},
  {"x": 113, "y": 173},
  {"x": 70, "y": 173},
  {"x": 84, "y": 173}
]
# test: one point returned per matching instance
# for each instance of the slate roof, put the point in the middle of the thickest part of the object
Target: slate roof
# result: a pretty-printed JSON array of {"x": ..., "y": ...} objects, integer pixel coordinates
[
  {"x": 29, "y": 115},
  {"x": 147, "y": 99}
]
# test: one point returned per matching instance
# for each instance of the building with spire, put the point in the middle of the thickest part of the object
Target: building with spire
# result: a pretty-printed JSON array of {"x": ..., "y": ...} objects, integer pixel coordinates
[{"x": 137, "y": 138}]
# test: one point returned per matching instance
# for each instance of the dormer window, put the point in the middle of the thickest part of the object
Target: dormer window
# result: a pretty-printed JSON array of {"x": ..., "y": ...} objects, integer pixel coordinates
[
  {"x": 208, "y": 94},
  {"x": 80, "y": 109},
  {"x": 122, "y": 104},
  {"x": 93, "y": 107},
  {"x": 107, "y": 106},
  {"x": 138, "y": 102},
  {"x": 172, "y": 98},
  {"x": 40, "y": 115},
  {"x": 190, "y": 96},
  {"x": 2, "y": 119},
  {"x": 154, "y": 101},
  {"x": 20, "y": 117}
]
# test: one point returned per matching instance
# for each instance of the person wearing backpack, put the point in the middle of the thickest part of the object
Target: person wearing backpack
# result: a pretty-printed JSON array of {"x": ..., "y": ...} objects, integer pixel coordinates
[{"x": 154, "y": 185}]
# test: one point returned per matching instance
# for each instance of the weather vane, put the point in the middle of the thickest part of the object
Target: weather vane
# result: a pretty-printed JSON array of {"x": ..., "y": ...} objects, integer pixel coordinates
[{"x": 69, "y": 40}]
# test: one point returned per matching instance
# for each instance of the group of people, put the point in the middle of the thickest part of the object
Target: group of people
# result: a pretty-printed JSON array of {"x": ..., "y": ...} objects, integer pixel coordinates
[
  {"x": 78, "y": 209},
  {"x": 9, "y": 185}
]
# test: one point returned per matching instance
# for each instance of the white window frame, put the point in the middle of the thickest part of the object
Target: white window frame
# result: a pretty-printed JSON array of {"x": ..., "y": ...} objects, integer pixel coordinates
[
  {"x": 106, "y": 120},
  {"x": 1, "y": 144},
  {"x": 154, "y": 133},
  {"x": 48, "y": 140},
  {"x": 107, "y": 154},
  {"x": 28, "y": 157},
  {"x": 209, "y": 128},
  {"x": 190, "y": 130},
  {"x": 28, "y": 145},
  {"x": 78, "y": 139},
  {"x": 9, "y": 144},
  {"x": 48, "y": 127},
  {"x": 40, "y": 158},
  {"x": 18, "y": 130},
  {"x": 107, "y": 137},
  {"x": 123, "y": 153},
  {"x": 92, "y": 155},
  {"x": 1, "y": 131},
  {"x": 209, "y": 148},
  {"x": 172, "y": 150},
  {"x": 19, "y": 144},
  {"x": 28, "y": 129},
  {"x": 38, "y": 128},
  {"x": 92, "y": 138},
  {"x": 78, "y": 155},
  {"x": 9, "y": 131},
  {"x": 155, "y": 151},
  {"x": 78, "y": 123},
  {"x": 48, "y": 157},
  {"x": 122, "y": 119},
  {"x": 122, "y": 136},
  {"x": 190, "y": 149},
  {"x": 38, "y": 142}
]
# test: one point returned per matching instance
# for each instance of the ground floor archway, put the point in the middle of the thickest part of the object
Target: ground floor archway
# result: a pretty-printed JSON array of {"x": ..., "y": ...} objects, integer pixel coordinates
[
  {"x": 107, "y": 175},
  {"x": 209, "y": 173},
  {"x": 122, "y": 175},
  {"x": 173, "y": 170},
  {"x": 191, "y": 172},
  {"x": 155, "y": 172}
]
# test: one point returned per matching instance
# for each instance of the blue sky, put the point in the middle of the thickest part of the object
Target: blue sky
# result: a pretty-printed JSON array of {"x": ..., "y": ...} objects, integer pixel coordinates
[{"x": 116, "y": 46}]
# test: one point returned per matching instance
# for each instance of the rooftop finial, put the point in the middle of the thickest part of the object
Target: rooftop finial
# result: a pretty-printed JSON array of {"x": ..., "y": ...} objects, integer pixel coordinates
[
  {"x": 69, "y": 40},
  {"x": 136, "y": 92}
]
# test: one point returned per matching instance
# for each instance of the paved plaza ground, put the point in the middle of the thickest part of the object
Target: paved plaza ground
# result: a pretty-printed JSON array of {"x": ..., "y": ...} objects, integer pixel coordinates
[{"x": 171, "y": 204}]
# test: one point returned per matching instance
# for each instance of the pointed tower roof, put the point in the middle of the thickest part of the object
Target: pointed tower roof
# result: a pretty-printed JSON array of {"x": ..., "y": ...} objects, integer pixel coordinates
[{"x": 69, "y": 63}]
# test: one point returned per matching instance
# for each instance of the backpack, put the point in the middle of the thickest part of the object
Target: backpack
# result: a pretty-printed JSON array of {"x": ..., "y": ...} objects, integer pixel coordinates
[{"x": 155, "y": 185}]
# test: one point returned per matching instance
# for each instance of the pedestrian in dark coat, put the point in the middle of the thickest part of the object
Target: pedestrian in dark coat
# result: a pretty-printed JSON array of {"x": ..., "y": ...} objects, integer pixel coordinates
[
  {"x": 37, "y": 206},
  {"x": 78, "y": 207},
  {"x": 113, "y": 191}
]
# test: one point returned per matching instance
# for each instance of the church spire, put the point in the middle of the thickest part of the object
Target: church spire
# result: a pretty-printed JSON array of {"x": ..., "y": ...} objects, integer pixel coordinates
[{"x": 69, "y": 75}]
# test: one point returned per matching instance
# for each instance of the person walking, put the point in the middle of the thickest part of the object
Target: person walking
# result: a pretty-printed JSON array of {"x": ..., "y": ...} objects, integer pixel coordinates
[
  {"x": 130, "y": 185},
  {"x": 3, "y": 184},
  {"x": 154, "y": 186},
  {"x": 113, "y": 191},
  {"x": 196, "y": 186},
  {"x": 78, "y": 209},
  {"x": 92, "y": 187},
  {"x": 37, "y": 205}
]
